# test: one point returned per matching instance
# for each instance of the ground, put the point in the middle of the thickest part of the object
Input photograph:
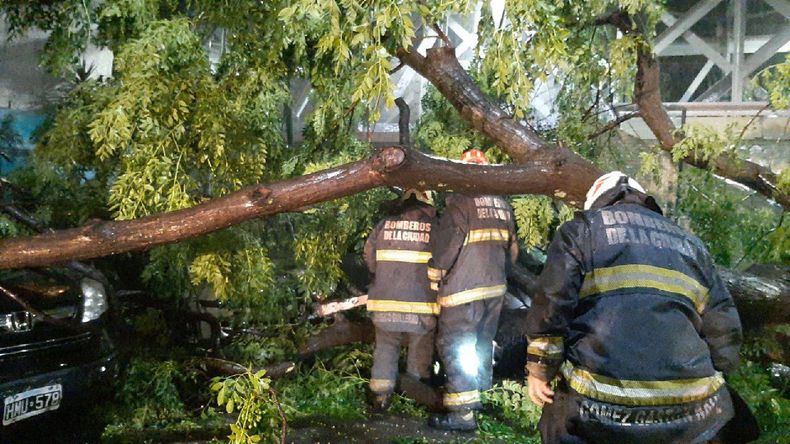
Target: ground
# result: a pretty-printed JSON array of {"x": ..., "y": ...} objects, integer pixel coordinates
[{"x": 378, "y": 429}]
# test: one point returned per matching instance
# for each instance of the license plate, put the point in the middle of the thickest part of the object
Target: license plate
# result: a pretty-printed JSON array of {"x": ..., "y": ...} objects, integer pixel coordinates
[{"x": 31, "y": 403}]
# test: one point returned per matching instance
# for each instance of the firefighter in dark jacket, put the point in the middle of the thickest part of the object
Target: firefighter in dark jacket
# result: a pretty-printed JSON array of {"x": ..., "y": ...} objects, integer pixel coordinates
[
  {"x": 635, "y": 319},
  {"x": 400, "y": 298},
  {"x": 471, "y": 250}
]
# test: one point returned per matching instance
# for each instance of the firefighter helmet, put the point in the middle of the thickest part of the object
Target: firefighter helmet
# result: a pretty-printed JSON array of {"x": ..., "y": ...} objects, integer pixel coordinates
[
  {"x": 474, "y": 156},
  {"x": 425, "y": 196},
  {"x": 607, "y": 182}
]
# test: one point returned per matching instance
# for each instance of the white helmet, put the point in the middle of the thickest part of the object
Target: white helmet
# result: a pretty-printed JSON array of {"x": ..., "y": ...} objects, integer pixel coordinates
[
  {"x": 426, "y": 196},
  {"x": 606, "y": 183}
]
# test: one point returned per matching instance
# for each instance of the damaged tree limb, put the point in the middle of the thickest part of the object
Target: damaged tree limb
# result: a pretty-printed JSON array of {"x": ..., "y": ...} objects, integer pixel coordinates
[
  {"x": 647, "y": 94},
  {"x": 391, "y": 166},
  {"x": 441, "y": 67},
  {"x": 761, "y": 300}
]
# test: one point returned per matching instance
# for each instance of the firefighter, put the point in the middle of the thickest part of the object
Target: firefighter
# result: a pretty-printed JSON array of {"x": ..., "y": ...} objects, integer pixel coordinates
[
  {"x": 471, "y": 250},
  {"x": 400, "y": 298},
  {"x": 634, "y": 318}
]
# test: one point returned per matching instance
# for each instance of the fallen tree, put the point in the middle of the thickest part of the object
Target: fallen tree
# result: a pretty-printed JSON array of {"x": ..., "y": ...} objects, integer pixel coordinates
[
  {"x": 647, "y": 94},
  {"x": 392, "y": 166},
  {"x": 761, "y": 300},
  {"x": 542, "y": 168}
]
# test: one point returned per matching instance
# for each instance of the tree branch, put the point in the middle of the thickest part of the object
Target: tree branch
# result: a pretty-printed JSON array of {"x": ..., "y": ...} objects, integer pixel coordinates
[
  {"x": 760, "y": 300},
  {"x": 404, "y": 114},
  {"x": 647, "y": 94},
  {"x": 441, "y": 67},
  {"x": 442, "y": 35},
  {"x": 613, "y": 124},
  {"x": 391, "y": 166}
]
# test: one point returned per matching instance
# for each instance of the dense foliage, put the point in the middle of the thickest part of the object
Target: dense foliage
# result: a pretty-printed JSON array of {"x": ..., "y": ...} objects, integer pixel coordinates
[{"x": 173, "y": 127}]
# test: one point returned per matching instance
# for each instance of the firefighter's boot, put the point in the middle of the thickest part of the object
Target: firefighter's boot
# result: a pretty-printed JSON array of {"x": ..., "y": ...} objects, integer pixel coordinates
[
  {"x": 379, "y": 402},
  {"x": 461, "y": 421}
]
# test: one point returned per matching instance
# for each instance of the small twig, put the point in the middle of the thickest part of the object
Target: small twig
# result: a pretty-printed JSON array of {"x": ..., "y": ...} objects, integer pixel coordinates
[
  {"x": 502, "y": 19},
  {"x": 23, "y": 218},
  {"x": 284, "y": 427},
  {"x": 703, "y": 195},
  {"x": 441, "y": 34},
  {"x": 35, "y": 312},
  {"x": 403, "y": 121},
  {"x": 593, "y": 105},
  {"x": 614, "y": 124},
  {"x": 4, "y": 183},
  {"x": 743, "y": 131},
  {"x": 784, "y": 131},
  {"x": 753, "y": 244},
  {"x": 397, "y": 68}
]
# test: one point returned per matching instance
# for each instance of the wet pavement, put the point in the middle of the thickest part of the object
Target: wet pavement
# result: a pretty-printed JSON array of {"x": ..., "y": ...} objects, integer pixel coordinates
[{"x": 378, "y": 429}]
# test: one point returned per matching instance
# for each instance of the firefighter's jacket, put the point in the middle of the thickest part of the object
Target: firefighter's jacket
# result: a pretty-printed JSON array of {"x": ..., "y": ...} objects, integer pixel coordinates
[
  {"x": 634, "y": 310},
  {"x": 472, "y": 249},
  {"x": 397, "y": 254}
]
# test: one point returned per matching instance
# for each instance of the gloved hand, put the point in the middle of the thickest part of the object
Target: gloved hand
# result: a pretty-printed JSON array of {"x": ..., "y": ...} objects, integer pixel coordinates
[
  {"x": 540, "y": 391},
  {"x": 435, "y": 275}
]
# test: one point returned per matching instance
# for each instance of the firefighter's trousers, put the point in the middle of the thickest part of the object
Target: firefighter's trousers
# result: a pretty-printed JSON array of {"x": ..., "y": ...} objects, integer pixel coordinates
[
  {"x": 575, "y": 419},
  {"x": 385, "y": 358},
  {"x": 465, "y": 342}
]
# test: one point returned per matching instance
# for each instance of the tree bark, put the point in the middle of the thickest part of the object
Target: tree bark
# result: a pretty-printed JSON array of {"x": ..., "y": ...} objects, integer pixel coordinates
[
  {"x": 441, "y": 67},
  {"x": 391, "y": 166},
  {"x": 404, "y": 116},
  {"x": 544, "y": 169},
  {"x": 216, "y": 366},
  {"x": 761, "y": 300},
  {"x": 342, "y": 331},
  {"x": 647, "y": 94}
]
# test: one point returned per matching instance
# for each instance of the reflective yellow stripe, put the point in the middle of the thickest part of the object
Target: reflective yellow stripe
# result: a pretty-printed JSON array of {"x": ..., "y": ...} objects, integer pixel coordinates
[
  {"x": 621, "y": 277},
  {"x": 381, "y": 385},
  {"x": 475, "y": 294},
  {"x": 547, "y": 346},
  {"x": 404, "y": 306},
  {"x": 462, "y": 398},
  {"x": 640, "y": 393},
  {"x": 485, "y": 235},
  {"x": 435, "y": 274},
  {"x": 410, "y": 256}
]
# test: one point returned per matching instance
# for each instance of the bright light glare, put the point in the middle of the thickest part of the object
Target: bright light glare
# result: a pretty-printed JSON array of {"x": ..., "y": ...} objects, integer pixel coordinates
[
  {"x": 468, "y": 359},
  {"x": 94, "y": 300}
]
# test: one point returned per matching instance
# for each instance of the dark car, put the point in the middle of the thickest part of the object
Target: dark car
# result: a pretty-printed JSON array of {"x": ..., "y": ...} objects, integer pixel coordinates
[{"x": 55, "y": 353}]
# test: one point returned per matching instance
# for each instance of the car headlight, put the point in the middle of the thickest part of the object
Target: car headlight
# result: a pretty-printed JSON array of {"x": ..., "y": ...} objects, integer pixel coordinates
[{"x": 94, "y": 299}]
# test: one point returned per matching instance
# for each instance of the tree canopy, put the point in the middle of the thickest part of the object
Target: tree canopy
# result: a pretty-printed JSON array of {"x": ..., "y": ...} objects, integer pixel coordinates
[{"x": 173, "y": 129}]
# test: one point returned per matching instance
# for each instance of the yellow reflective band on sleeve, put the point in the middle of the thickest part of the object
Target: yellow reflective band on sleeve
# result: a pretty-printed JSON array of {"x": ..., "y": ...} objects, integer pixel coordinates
[
  {"x": 546, "y": 346},
  {"x": 381, "y": 385},
  {"x": 641, "y": 393},
  {"x": 431, "y": 308},
  {"x": 435, "y": 274},
  {"x": 620, "y": 277},
  {"x": 410, "y": 256},
  {"x": 486, "y": 235},
  {"x": 462, "y": 398},
  {"x": 475, "y": 294}
]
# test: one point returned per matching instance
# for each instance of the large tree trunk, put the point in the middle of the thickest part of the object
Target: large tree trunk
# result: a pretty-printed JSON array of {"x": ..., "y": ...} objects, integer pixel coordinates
[
  {"x": 647, "y": 94},
  {"x": 544, "y": 169},
  {"x": 760, "y": 299},
  {"x": 392, "y": 166},
  {"x": 441, "y": 67},
  {"x": 648, "y": 98}
]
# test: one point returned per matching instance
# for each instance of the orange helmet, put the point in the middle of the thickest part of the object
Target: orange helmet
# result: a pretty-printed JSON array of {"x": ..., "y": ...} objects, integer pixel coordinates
[{"x": 474, "y": 156}]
